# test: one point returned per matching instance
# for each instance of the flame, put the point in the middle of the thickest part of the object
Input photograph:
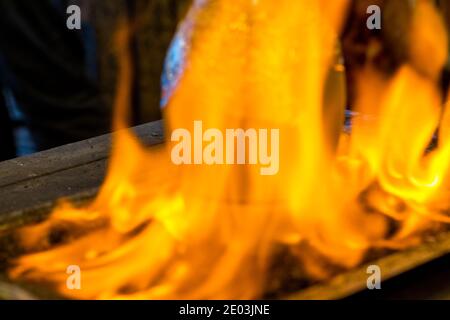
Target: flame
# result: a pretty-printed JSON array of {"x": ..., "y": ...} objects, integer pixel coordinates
[{"x": 158, "y": 231}]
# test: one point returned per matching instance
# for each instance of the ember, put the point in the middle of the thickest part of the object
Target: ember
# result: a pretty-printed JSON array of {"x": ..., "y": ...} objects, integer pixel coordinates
[{"x": 213, "y": 232}]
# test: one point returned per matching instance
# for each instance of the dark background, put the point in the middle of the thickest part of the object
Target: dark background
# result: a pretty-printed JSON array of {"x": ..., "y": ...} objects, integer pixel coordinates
[{"x": 58, "y": 85}]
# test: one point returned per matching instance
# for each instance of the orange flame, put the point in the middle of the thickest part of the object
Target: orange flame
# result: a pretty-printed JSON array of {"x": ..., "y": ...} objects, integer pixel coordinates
[{"x": 157, "y": 230}]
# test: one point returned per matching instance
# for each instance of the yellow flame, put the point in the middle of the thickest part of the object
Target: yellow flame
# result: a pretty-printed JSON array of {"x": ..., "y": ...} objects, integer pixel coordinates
[{"x": 157, "y": 230}]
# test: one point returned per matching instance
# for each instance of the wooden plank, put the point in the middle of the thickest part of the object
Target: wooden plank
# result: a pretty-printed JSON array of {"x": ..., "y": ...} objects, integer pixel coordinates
[
  {"x": 60, "y": 172},
  {"x": 391, "y": 266}
]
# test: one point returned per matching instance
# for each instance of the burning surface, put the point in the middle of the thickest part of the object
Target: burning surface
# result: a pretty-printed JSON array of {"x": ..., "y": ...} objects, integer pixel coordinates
[{"x": 157, "y": 230}]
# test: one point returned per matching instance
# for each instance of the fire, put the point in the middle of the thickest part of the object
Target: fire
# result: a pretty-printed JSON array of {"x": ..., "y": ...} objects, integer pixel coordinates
[{"x": 158, "y": 230}]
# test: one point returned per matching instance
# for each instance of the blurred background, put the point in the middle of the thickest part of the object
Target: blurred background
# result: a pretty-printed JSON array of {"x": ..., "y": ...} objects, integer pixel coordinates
[{"x": 57, "y": 85}]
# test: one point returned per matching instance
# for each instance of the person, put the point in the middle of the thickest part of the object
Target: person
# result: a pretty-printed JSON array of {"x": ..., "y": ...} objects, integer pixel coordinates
[
  {"x": 45, "y": 69},
  {"x": 7, "y": 145}
]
